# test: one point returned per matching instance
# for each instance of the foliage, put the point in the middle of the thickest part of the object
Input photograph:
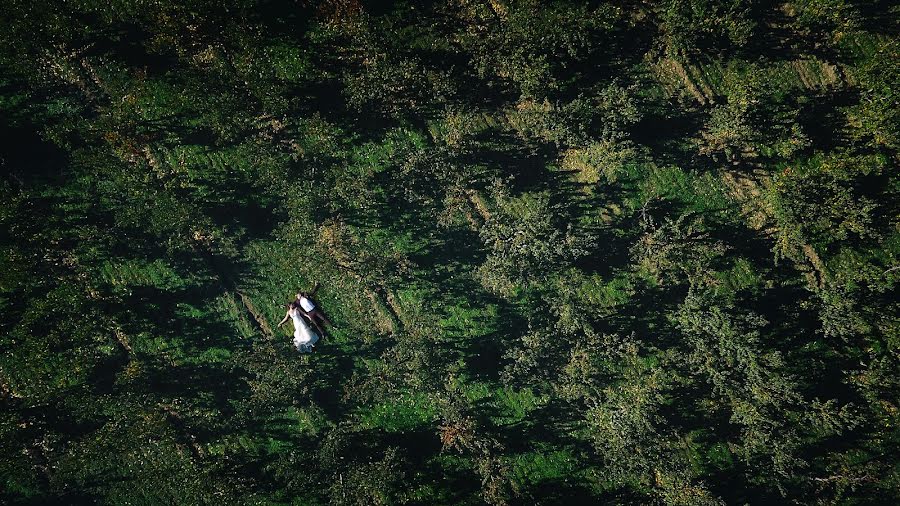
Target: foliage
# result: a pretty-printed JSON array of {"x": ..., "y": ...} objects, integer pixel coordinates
[{"x": 572, "y": 252}]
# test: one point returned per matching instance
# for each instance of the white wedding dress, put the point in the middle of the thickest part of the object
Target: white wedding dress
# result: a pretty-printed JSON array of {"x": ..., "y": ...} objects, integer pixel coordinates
[{"x": 304, "y": 337}]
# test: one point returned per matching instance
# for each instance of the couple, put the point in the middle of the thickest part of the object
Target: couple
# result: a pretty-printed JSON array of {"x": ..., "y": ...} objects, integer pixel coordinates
[{"x": 299, "y": 310}]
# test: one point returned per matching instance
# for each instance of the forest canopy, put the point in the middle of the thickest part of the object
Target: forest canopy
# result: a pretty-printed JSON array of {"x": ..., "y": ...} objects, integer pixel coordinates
[{"x": 580, "y": 252}]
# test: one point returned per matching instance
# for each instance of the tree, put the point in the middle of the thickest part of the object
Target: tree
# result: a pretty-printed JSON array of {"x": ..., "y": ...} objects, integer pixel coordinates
[
  {"x": 526, "y": 239},
  {"x": 725, "y": 348}
]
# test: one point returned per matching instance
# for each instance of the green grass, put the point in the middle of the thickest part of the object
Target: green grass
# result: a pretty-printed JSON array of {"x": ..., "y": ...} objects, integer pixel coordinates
[
  {"x": 404, "y": 412},
  {"x": 137, "y": 272},
  {"x": 617, "y": 291},
  {"x": 533, "y": 468},
  {"x": 699, "y": 192},
  {"x": 741, "y": 276}
]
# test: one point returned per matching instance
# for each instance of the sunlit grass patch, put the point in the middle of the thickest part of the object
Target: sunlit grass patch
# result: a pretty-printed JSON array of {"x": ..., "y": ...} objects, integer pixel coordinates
[
  {"x": 138, "y": 272},
  {"x": 456, "y": 128},
  {"x": 308, "y": 420},
  {"x": 515, "y": 405},
  {"x": 229, "y": 310},
  {"x": 394, "y": 148},
  {"x": 288, "y": 268},
  {"x": 213, "y": 356},
  {"x": 533, "y": 468},
  {"x": 741, "y": 276},
  {"x": 617, "y": 291},
  {"x": 464, "y": 321},
  {"x": 700, "y": 192},
  {"x": 168, "y": 349},
  {"x": 507, "y": 405},
  {"x": 599, "y": 161},
  {"x": 404, "y": 412}
]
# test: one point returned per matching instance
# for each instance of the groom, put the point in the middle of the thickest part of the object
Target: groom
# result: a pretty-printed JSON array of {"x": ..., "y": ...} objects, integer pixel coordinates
[{"x": 312, "y": 311}]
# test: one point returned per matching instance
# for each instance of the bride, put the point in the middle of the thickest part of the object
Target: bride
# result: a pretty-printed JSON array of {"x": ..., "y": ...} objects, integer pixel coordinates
[{"x": 304, "y": 338}]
